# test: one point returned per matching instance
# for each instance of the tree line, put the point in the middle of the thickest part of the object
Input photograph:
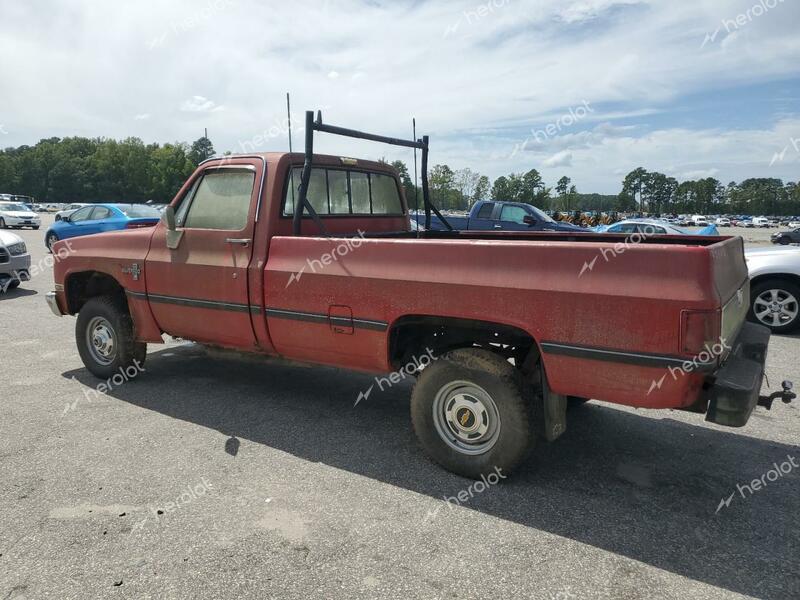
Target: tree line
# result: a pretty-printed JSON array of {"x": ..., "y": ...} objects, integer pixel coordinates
[{"x": 77, "y": 169}]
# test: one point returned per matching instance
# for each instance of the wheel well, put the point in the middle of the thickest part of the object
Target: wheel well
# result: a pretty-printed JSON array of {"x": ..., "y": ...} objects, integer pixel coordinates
[
  {"x": 80, "y": 287},
  {"x": 795, "y": 279},
  {"x": 416, "y": 334}
]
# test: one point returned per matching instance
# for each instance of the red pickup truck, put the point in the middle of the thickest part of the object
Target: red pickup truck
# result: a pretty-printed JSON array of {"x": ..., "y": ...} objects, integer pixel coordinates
[{"x": 313, "y": 258}]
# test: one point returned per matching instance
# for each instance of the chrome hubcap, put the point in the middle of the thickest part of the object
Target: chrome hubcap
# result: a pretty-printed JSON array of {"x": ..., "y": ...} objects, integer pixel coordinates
[
  {"x": 466, "y": 417},
  {"x": 776, "y": 307},
  {"x": 101, "y": 340}
]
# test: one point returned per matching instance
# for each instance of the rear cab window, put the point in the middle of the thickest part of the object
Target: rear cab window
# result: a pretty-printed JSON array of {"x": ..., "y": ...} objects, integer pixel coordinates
[{"x": 336, "y": 191}]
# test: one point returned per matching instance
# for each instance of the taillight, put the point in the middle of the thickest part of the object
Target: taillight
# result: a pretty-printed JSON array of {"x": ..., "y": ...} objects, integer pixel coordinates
[
  {"x": 700, "y": 330},
  {"x": 138, "y": 225}
]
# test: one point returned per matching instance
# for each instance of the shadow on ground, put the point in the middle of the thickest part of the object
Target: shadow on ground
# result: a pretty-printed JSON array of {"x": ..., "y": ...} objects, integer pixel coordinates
[
  {"x": 642, "y": 488},
  {"x": 19, "y": 292}
]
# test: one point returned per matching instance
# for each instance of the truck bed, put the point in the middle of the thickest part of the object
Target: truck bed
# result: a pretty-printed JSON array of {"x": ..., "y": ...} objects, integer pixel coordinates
[{"x": 622, "y": 298}]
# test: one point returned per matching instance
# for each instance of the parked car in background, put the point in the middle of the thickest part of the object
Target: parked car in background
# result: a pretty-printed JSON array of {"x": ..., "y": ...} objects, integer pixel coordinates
[
  {"x": 491, "y": 215},
  {"x": 786, "y": 237},
  {"x": 760, "y": 222},
  {"x": 17, "y": 216},
  {"x": 99, "y": 218},
  {"x": 15, "y": 261},
  {"x": 723, "y": 222},
  {"x": 652, "y": 227},
  {"x": 793, "y": 224},
  {"x": 774, "y": 287},
  {"x": 699, "y": 221},
  {"x": 69, "y": 209}
]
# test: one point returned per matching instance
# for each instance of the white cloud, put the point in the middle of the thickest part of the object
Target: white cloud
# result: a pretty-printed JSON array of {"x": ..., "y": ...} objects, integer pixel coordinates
[
  {"x": 141, "y": 117},
  {"x": 200, "y": 104},
  {"x": 698, "y": 174},
  {"x": 559, "y": 159}
]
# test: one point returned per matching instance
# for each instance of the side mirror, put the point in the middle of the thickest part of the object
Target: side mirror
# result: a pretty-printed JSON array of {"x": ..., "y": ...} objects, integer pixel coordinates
[
  {"x": 168, "y": 218},
  {"x": 173, "y": 235},
  {"x": 529, "y": 220}
]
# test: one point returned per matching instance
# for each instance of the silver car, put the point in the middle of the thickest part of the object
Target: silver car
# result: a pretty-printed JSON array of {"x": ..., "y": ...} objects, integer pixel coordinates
[
  {"x": 15, "y": 262},
  {"x": 775, "y": 287}
]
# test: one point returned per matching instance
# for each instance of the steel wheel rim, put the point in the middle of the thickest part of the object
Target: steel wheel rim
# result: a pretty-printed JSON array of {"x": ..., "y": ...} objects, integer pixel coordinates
[
  {"x": 776, "y": 307},
  {"x": 101, "y": 340},
  {"x": 466, "y": 417}
]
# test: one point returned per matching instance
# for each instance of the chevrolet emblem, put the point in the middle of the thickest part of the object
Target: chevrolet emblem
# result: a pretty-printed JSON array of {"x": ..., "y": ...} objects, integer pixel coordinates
[{"x": 134, "y": 271}]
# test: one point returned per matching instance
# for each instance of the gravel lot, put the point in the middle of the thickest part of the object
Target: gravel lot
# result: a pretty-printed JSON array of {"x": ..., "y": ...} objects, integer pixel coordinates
[{"x": 279, "y": 488}]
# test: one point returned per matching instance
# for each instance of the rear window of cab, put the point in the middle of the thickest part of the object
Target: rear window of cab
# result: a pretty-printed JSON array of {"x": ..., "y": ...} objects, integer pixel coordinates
[{"x": 345, "y": 192}]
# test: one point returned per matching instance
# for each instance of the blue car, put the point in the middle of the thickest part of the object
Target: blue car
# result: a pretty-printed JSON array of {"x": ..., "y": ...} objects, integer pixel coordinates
[{"x": 99, "y": 218}]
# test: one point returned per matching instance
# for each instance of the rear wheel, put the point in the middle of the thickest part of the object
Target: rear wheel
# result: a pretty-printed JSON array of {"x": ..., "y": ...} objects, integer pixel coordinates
[
  {"x": 776, "y": 304},
  {"x": 104, "y": 335},
  {"x": 2, "y": 223},
  {"x": 472, "y": 413}
]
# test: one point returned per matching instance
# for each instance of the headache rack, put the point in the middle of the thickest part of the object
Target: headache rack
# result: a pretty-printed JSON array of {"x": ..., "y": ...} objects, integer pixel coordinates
[{"x": 317, "y": 125}]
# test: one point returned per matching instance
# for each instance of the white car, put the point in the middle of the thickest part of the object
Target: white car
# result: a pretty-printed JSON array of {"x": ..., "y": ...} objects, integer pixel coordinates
[
  {"x": 69, "y": 209},
  {"x": 760, "y": 222},
  {"x": 699, "y": 221},
  {"x": 794, "y": 224},
  {"x": 723, "y": 222},
  {"x": 774, "y": 287},
  {"x": 16, "y": 215},
  {"x": 15, "y": 261}
]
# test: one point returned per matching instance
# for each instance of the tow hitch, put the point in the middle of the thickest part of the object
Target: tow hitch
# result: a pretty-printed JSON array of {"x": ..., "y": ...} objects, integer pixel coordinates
[{"x": 786, "y": 395}]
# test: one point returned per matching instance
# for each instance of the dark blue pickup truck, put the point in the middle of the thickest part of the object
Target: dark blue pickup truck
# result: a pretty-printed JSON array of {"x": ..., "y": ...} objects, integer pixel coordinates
[{"x": 487, "y": 215}]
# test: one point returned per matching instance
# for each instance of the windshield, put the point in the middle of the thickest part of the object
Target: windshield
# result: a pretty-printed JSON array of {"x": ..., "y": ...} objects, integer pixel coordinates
[
  {"x": 138, "y": 211},
  {"x": 13, "y": 207},
  {"x": 542, "y": 216}
]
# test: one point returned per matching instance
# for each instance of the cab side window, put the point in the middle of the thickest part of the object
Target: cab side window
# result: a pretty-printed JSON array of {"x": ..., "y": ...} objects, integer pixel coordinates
[
  {"x": 81, "y": 214},
  {"x": 514, "y": 214},
  {"x": 485, "y": 211},
  {"x": 219, "y": 200},
  {"x": 100, "y": 212}
]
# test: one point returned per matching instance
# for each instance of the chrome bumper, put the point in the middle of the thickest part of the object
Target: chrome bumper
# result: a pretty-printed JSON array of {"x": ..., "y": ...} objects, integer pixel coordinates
[{"x": 52, "y": 302}]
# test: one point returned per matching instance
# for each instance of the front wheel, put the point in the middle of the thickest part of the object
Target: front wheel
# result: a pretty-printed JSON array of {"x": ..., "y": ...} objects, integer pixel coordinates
[
  {"x": 472, "y": 415},
  {"x": 2, "y": 223},
  {"x": 52, "y": 238},
  {"x": 106, "y": 344}
]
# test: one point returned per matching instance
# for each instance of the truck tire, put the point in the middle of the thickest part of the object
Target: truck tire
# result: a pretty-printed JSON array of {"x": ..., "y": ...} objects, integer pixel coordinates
[
  {"x": 104, "y": 335},
  {"x": 473, "y": 414}
]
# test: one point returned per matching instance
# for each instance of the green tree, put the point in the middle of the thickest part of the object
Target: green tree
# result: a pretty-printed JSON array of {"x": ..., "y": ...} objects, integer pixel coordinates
[{"x": 202, "y": 148}]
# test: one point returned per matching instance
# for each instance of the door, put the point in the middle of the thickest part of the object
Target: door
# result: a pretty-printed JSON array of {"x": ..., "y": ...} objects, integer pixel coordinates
[
  {"x": 98, "y": 221},
  {"x": 511, "y": 218},
  {"x": 482, "y": 221},
  {"x": 199, "y": 290},
  {"x": 78, "y": 223}
]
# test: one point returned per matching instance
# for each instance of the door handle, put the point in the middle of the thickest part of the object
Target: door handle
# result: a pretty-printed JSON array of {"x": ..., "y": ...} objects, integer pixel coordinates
[
  {"x": 239, "y": 241},
  {"x": 498, "y": 226}
]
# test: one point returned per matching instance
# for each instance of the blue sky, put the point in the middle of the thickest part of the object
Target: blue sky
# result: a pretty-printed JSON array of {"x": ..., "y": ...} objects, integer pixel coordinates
[{"x": 691, "y": 89}]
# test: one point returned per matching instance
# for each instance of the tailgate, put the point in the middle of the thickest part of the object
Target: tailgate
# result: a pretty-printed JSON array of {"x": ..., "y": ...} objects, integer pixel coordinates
[{"x": 729, "y": 274}]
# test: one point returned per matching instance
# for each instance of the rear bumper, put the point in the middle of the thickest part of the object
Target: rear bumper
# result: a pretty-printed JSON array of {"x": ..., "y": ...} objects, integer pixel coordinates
[{"x": 732, "y": 392}]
